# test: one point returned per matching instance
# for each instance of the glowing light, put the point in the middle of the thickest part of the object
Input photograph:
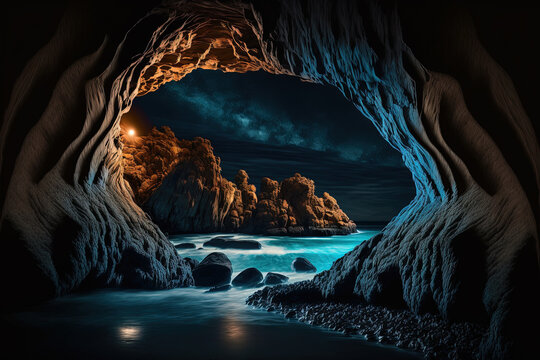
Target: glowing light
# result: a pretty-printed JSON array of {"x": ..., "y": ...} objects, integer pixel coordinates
[
  {"x": 129, "y": 333},
  {"x": 131, "y": 132},
  {"x": 233, "y": 330}
]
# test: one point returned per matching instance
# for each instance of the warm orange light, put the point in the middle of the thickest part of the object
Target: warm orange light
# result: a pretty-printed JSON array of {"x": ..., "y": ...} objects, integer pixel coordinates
[{"x": 131, "y": 132}]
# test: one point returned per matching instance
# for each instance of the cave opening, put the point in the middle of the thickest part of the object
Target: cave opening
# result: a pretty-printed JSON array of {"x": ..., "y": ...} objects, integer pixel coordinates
[
  {"x": 270, "y": 126},
  {"x": 200, "y": 156}
]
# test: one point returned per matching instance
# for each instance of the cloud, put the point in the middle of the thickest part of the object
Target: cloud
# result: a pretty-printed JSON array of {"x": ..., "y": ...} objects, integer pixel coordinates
[{"x": 273, "y": 117}]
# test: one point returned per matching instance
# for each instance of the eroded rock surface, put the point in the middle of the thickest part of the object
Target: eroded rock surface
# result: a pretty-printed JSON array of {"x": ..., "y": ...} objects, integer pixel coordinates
[
  {"x": 194, "y": 197},
  {"x": 191, "y": 195},
  {"x": 148, "y": 159},
  {"x": 292, "y": 208}
]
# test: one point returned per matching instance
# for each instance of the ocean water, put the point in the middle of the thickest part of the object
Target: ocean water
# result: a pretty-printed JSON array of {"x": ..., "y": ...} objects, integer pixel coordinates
[{"x": 190, "y": 323}]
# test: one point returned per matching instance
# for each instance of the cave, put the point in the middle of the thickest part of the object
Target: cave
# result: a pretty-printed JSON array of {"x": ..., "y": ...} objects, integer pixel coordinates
[{"x": 444, "y": 84}]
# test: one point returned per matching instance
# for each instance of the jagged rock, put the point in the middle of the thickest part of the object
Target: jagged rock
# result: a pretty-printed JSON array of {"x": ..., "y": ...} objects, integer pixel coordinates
[
  {"x": 179, "y": 183},
  {"x": 148, "y": 159},
  {"x": 301, "y": 264},
  {"x": 250, "y": 277},
  {"x": 240, "y": 215},
  {"x": 185, "y": 246},
  {"x": 274, "y": 279},
  {"x": 194, "y": 197},
  {"x": 226, "y": 243},
  {"x": 214, "y": 270}
]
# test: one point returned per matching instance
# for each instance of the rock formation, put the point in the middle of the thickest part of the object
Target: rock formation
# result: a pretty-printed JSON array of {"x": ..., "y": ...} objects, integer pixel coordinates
[
  {"x": 240, "y": 217},
  {"x": 194, "y": 197},
  {"x": 467, "y": 247},
  {"x": 179, "y": 183},
  {"x": 292, "y": 208},
  {"x": 148, "y": 159}
]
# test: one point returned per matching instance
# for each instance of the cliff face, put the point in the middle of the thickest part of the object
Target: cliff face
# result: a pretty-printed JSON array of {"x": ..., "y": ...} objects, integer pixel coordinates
[
  {"x": 240, "y": 216},
  {"x": 193, "y": 196},
  {"x": 179, "y": 183},
  {"x": 148, "y": 159},
  {"x": 292, "y": 208}
]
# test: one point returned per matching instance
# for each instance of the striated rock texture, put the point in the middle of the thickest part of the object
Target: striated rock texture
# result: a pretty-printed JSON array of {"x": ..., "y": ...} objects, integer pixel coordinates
[
  {"x": 467, "y": 247},
  {"x": 179, "y": 183}
]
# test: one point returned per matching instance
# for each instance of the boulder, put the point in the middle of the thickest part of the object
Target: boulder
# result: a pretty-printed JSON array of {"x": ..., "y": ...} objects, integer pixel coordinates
[
  {"x": 274, "y": 279},
  {"x": 191, "y": 262},
  {"x": 229, "y": 243},
  {"x": 219, "y": 288},
  {"x": 301, "y": 264},
  {"x": 250, "y": 277},
  {"x": 214, "y": 270},
  {"x": 185, "y": 246}
]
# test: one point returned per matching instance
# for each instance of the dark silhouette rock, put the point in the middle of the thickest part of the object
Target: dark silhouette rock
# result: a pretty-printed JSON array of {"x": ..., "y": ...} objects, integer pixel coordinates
[
  {"x": 185, "y": 246},
  {"x": 301, "y": 264},
  {"x": 250, "y": 277},
  {"x": 291, "y": 314},
  {"x": 228, "y": 243},
  {"x": 274, "y": 279},
  {"x": 214, "y": 270},
  {"x": 219, "y": 288},
  {"x": 191, "y": 262},
  {"x": 292, "y": 208}
]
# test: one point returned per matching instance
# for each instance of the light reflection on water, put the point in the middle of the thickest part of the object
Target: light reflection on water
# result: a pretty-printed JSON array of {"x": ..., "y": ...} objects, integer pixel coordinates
[
  {"x": 129, "y": 333},
  {"x": 233, "y": 330},
  {"x": 191, "y": 323}
]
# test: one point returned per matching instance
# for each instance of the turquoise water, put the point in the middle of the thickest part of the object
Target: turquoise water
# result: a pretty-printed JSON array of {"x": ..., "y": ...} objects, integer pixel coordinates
[
  {"x": 190, "y": 323},
  {"x": 277, "y": 253}
]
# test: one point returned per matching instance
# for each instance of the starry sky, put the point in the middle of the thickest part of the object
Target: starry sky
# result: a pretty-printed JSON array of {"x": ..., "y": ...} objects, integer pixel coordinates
[{"x": 276, "y": 125}]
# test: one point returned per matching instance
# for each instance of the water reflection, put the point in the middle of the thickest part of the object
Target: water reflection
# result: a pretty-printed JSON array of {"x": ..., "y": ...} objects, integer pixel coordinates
[
  {"x": 129, "y": 333},
  {"x": 234, "y": 331}
]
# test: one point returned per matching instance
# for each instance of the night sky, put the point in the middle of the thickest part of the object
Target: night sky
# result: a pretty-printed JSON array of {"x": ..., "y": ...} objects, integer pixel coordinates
[{"x": 276, "y": 125}]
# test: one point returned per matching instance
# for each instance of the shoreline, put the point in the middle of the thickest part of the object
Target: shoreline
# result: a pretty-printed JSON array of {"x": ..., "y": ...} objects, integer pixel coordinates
[{"x": 427, "y": 334}]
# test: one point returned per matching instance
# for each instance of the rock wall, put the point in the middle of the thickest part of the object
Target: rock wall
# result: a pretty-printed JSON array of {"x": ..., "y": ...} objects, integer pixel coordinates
[
  {"x": 179, "y": 184},
  {"x": 468, "y": 244}
]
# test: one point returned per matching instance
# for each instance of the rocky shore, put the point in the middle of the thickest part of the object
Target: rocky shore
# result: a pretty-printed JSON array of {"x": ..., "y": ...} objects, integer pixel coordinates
[
  {"x": 428, "y": 334},
  {"x": 179, "y": 184}
]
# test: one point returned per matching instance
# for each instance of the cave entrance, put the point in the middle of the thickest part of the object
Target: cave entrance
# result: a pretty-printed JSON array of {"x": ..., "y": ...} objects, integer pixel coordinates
[
  {"x": 254, "y": 126},
  {"x": 223, "y": 153}
]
